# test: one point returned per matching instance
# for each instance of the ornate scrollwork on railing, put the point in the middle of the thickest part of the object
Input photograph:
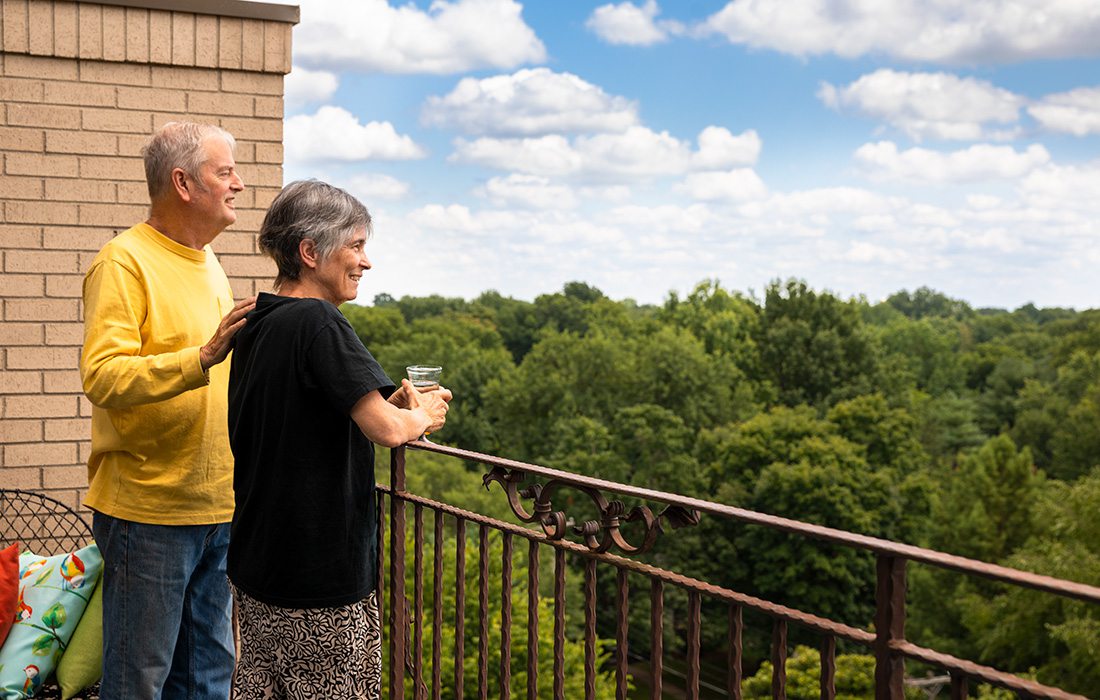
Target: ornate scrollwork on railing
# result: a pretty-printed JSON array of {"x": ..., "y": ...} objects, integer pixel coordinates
[{"x": 598, "y": 535}]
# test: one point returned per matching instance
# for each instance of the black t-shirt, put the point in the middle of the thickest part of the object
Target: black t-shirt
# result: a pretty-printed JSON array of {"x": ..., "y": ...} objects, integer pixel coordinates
[{"x": 305, "y": 527}]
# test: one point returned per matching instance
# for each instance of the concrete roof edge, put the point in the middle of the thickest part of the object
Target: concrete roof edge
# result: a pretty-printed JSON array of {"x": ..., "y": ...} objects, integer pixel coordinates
[{"x": 222, "y": 8}]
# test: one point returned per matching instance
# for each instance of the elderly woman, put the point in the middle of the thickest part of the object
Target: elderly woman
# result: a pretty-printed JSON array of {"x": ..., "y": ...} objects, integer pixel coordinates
[{"x": 306, "y": 401}]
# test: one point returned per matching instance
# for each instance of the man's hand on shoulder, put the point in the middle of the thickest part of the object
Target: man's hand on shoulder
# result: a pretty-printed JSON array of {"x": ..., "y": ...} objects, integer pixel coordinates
[{"x": 217, "y": 348}]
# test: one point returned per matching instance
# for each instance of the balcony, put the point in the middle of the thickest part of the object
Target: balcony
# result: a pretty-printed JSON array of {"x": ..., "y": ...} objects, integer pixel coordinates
[{"x": 622, "y": 589}]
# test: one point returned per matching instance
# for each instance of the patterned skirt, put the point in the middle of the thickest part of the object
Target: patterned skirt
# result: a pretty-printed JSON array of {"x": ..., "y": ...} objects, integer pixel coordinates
[{"x": 303, "y": 654}]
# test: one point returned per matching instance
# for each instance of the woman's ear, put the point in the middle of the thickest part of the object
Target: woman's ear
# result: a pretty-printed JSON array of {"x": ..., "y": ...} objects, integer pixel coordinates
[{"x": 307, "y": 250}]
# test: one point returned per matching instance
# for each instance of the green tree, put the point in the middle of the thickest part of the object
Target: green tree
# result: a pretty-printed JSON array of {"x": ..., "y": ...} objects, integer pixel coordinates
[{"x": 855, "y": 677}]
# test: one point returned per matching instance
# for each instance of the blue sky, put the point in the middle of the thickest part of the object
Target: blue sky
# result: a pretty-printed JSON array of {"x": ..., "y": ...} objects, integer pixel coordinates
[{"x": 643, "y": 147}]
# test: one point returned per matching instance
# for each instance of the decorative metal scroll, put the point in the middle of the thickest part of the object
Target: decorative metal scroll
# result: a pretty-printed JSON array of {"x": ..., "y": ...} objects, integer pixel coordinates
[{"x": 598, "y": 535}]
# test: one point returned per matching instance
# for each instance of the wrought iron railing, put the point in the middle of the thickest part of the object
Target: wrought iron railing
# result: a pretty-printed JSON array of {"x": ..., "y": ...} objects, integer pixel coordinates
[{"x": 596, "y": 543}]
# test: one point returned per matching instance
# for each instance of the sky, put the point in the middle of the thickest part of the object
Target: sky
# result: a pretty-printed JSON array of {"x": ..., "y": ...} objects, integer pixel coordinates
[{"x": 644, "y": 147}]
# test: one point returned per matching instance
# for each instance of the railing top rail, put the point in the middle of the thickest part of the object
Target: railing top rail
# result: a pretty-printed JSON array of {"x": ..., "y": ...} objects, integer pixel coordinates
[{"x": 1070, "y": 589}]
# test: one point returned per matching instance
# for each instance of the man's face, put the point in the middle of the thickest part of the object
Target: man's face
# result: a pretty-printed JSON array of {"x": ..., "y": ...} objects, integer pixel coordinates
[
  {"x": 339, "y": 273},
  {"x": 217, "y": 184}
]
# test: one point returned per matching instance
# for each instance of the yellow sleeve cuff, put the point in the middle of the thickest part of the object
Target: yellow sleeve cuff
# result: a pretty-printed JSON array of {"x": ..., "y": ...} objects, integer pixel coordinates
[{"x": 191, "y": 366}]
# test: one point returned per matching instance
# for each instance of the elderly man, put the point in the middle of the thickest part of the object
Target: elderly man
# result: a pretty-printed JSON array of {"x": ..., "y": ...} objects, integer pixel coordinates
[
  {"x": 158, "y": 322},
  {"x": 306, "y": 400}
]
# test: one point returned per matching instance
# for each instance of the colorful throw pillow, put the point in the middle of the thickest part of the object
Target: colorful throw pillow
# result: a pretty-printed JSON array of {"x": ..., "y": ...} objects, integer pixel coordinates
[
  {"x": 53, "y": 593},
  {"x": 82, "y": 663},
  {"x": 9, "y": 588}
]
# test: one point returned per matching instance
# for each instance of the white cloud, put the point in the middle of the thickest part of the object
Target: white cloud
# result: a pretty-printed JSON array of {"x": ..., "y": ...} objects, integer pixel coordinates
[
  {"x": 928, "y": 105},
  {"x": 371, "y": 186},
  {"x": 334, "y": 134},
  {"x": 635, "y": 153},
  {"x": 1075, "y": 112},
  {"x": 530, "y": 102},
  {"x": 303, "y": 86},
  {"x": 450, "y": 37},
  {"x": 529, "y": 191},
  {"x": 1065, "y": 188},
  {"x": 943, "y": 31},
  {"x": 629, "y": 24},
  {"x": 735, "y": 185},
  {"x": 977, "y": 163}
]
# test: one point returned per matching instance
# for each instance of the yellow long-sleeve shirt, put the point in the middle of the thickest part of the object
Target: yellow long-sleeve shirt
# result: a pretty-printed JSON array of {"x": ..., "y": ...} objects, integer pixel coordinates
[{"x": 160, "y": 446}]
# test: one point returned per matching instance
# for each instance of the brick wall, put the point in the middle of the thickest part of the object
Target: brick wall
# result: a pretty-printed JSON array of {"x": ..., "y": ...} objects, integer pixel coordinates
[{"x": 82, "y": 85}]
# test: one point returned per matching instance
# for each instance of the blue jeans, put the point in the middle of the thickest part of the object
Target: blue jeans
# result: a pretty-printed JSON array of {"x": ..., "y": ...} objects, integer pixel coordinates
[{"x": 167, "y": 632}]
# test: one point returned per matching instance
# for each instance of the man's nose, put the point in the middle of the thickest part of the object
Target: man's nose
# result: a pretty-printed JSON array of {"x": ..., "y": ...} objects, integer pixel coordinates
[{"x": 237, "y": 183}]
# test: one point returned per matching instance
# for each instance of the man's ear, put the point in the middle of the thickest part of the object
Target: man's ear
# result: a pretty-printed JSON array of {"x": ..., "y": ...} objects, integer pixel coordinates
[
  {"x": 307, "y": 250},
  {"x": 181, "y": 185}
]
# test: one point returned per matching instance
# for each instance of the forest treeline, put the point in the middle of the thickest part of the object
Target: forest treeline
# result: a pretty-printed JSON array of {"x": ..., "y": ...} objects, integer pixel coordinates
[{"x": 918, "y": 419}]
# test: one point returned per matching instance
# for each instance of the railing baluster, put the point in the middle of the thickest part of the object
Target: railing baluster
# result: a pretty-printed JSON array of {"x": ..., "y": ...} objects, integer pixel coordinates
[
  {"x": 533, "y": 620},
  {"x": 960, "y": 689},
  {"x": 506, "y": 619},
  {"x": 398, "y": 624},
  {"x": 559, "y": 624},
  {"x": 437, "y": 610},
  {"x": 622, "y": 619},
  {"x": 733, "y": 658},
  {"x": 419, "y": 689},
  {"x": 381, "y": 585},
  {"x": 460, "y": 604},
  {"x": 657, "y": 637},
  {"x": 779, "y": 660},
  {"x": 483, "y": 613},
  {"x": 828, "y": 668},
  {"x": 693, "y": 639},
  {"x": 889, "y": 627},
  {"x": 589, "y": 629}
]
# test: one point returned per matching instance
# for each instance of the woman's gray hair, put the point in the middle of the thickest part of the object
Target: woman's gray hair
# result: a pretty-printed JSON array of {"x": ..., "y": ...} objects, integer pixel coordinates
[
  {"x": 178, "y": 145},
  {"x": 313, "y": 210}
]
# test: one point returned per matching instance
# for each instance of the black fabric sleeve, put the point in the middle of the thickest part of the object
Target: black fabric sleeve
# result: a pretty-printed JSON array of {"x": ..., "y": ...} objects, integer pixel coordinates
[{"x": 341, "y": 368}]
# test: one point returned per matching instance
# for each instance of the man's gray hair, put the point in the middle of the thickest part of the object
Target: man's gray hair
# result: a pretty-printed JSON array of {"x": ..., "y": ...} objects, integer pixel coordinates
[
  {"x": 313, "y": 210},
  {"x": 178, "y": 145}
]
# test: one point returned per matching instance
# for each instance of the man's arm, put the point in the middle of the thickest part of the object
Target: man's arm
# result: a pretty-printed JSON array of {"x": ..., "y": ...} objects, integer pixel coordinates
[{"x": 113, "y": 373}]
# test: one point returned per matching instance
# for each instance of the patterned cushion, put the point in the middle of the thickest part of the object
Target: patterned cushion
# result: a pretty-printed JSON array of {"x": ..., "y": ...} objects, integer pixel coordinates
[
  {"x": 82, "y": 663},
  {"x": 53, "y": 593}
]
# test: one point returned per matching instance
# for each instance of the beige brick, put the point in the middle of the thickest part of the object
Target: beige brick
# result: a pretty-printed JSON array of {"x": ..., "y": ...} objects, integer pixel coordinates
[
  {"x": 262, "y": 197},
  {"x": 47, "y": 261},
  {"x": 20, "y": 236},
  {"x": 75, "y": 237},
  {"x": 276, "y": 47},
  {"x": 115, "y": 73},
  {"x": 29, "y": 478},
  {"x": 242, "y": 287},
  {"x": 232, "y": 104},
  {"x": 206, "y": 41},
  {"x": 39, "y": 453},
  {"x": 127, "y": 121},
  {"x": 183, "y": 78},
  {"x": 82, "y": 94},
  {"x": 114, "y": 33},
  {"x": 21, "y": 285},
  {"x": 103, "y": 168},
  {"x": 40, "y": 67},
  {"x": 245, "y": 153},
  {"x": 121, "y": 215},
  {"x": 20, "y": 382},
  {"x": 16, "y": 32},
  {"x": 160, "y": 37},
  {"x": 16, "y": 334},
  {"x": 21, "y": 139},
  {"x": 40, "y": 27},
  {"x": 40, "y": 164},
  {"x": 72, "y": 476},
  {"x": 90, "y": 18},
  {"x": 49, "y": 116},
  {"x": 20, "y": 187},
  {"x": 257, "y": 83},
  {"x": 247, "y": 266},
  {"x": 60, "y": 429},
  {"x": 133, "y": 193},
  {"x": 263, "y": 175},
  {"x": 234, "y": 242},
  {"x": 87, "y": 258},
  {"x": 151, "y": 98},
  {"x": 62, "y": 381},
  {"x": 39, "y": 212},
  {"x": 85, "y": 451},
  {"x": 81, "y": 143},
  {"x": 40, "y": 406},
  {"x": 64, "y": 286},
  {"x": 43, "y": 358},
  {"x": 131, "y": 144},
  {"x": 249, "y": 220},
  {"x": 137, "y": 35},
  {"x": 77, "y": 190},
  {"x": 229, "y": 42},
  {"x": 21, "y": 90},
  {"x": 183, "y": 39},
  {"x": 244, "y": 199},
  {"x": 66, "y": 36},
  {"x": 20, "y": 431},
  {"x": 58, "y": 333},
  {"x": 252, "y": 56},
  {"x": 84, "y": 407},
  {"x": 40, "y": 310},
  {"x": 254, "y": 129},
  {"x": 269, "y": 107}
]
